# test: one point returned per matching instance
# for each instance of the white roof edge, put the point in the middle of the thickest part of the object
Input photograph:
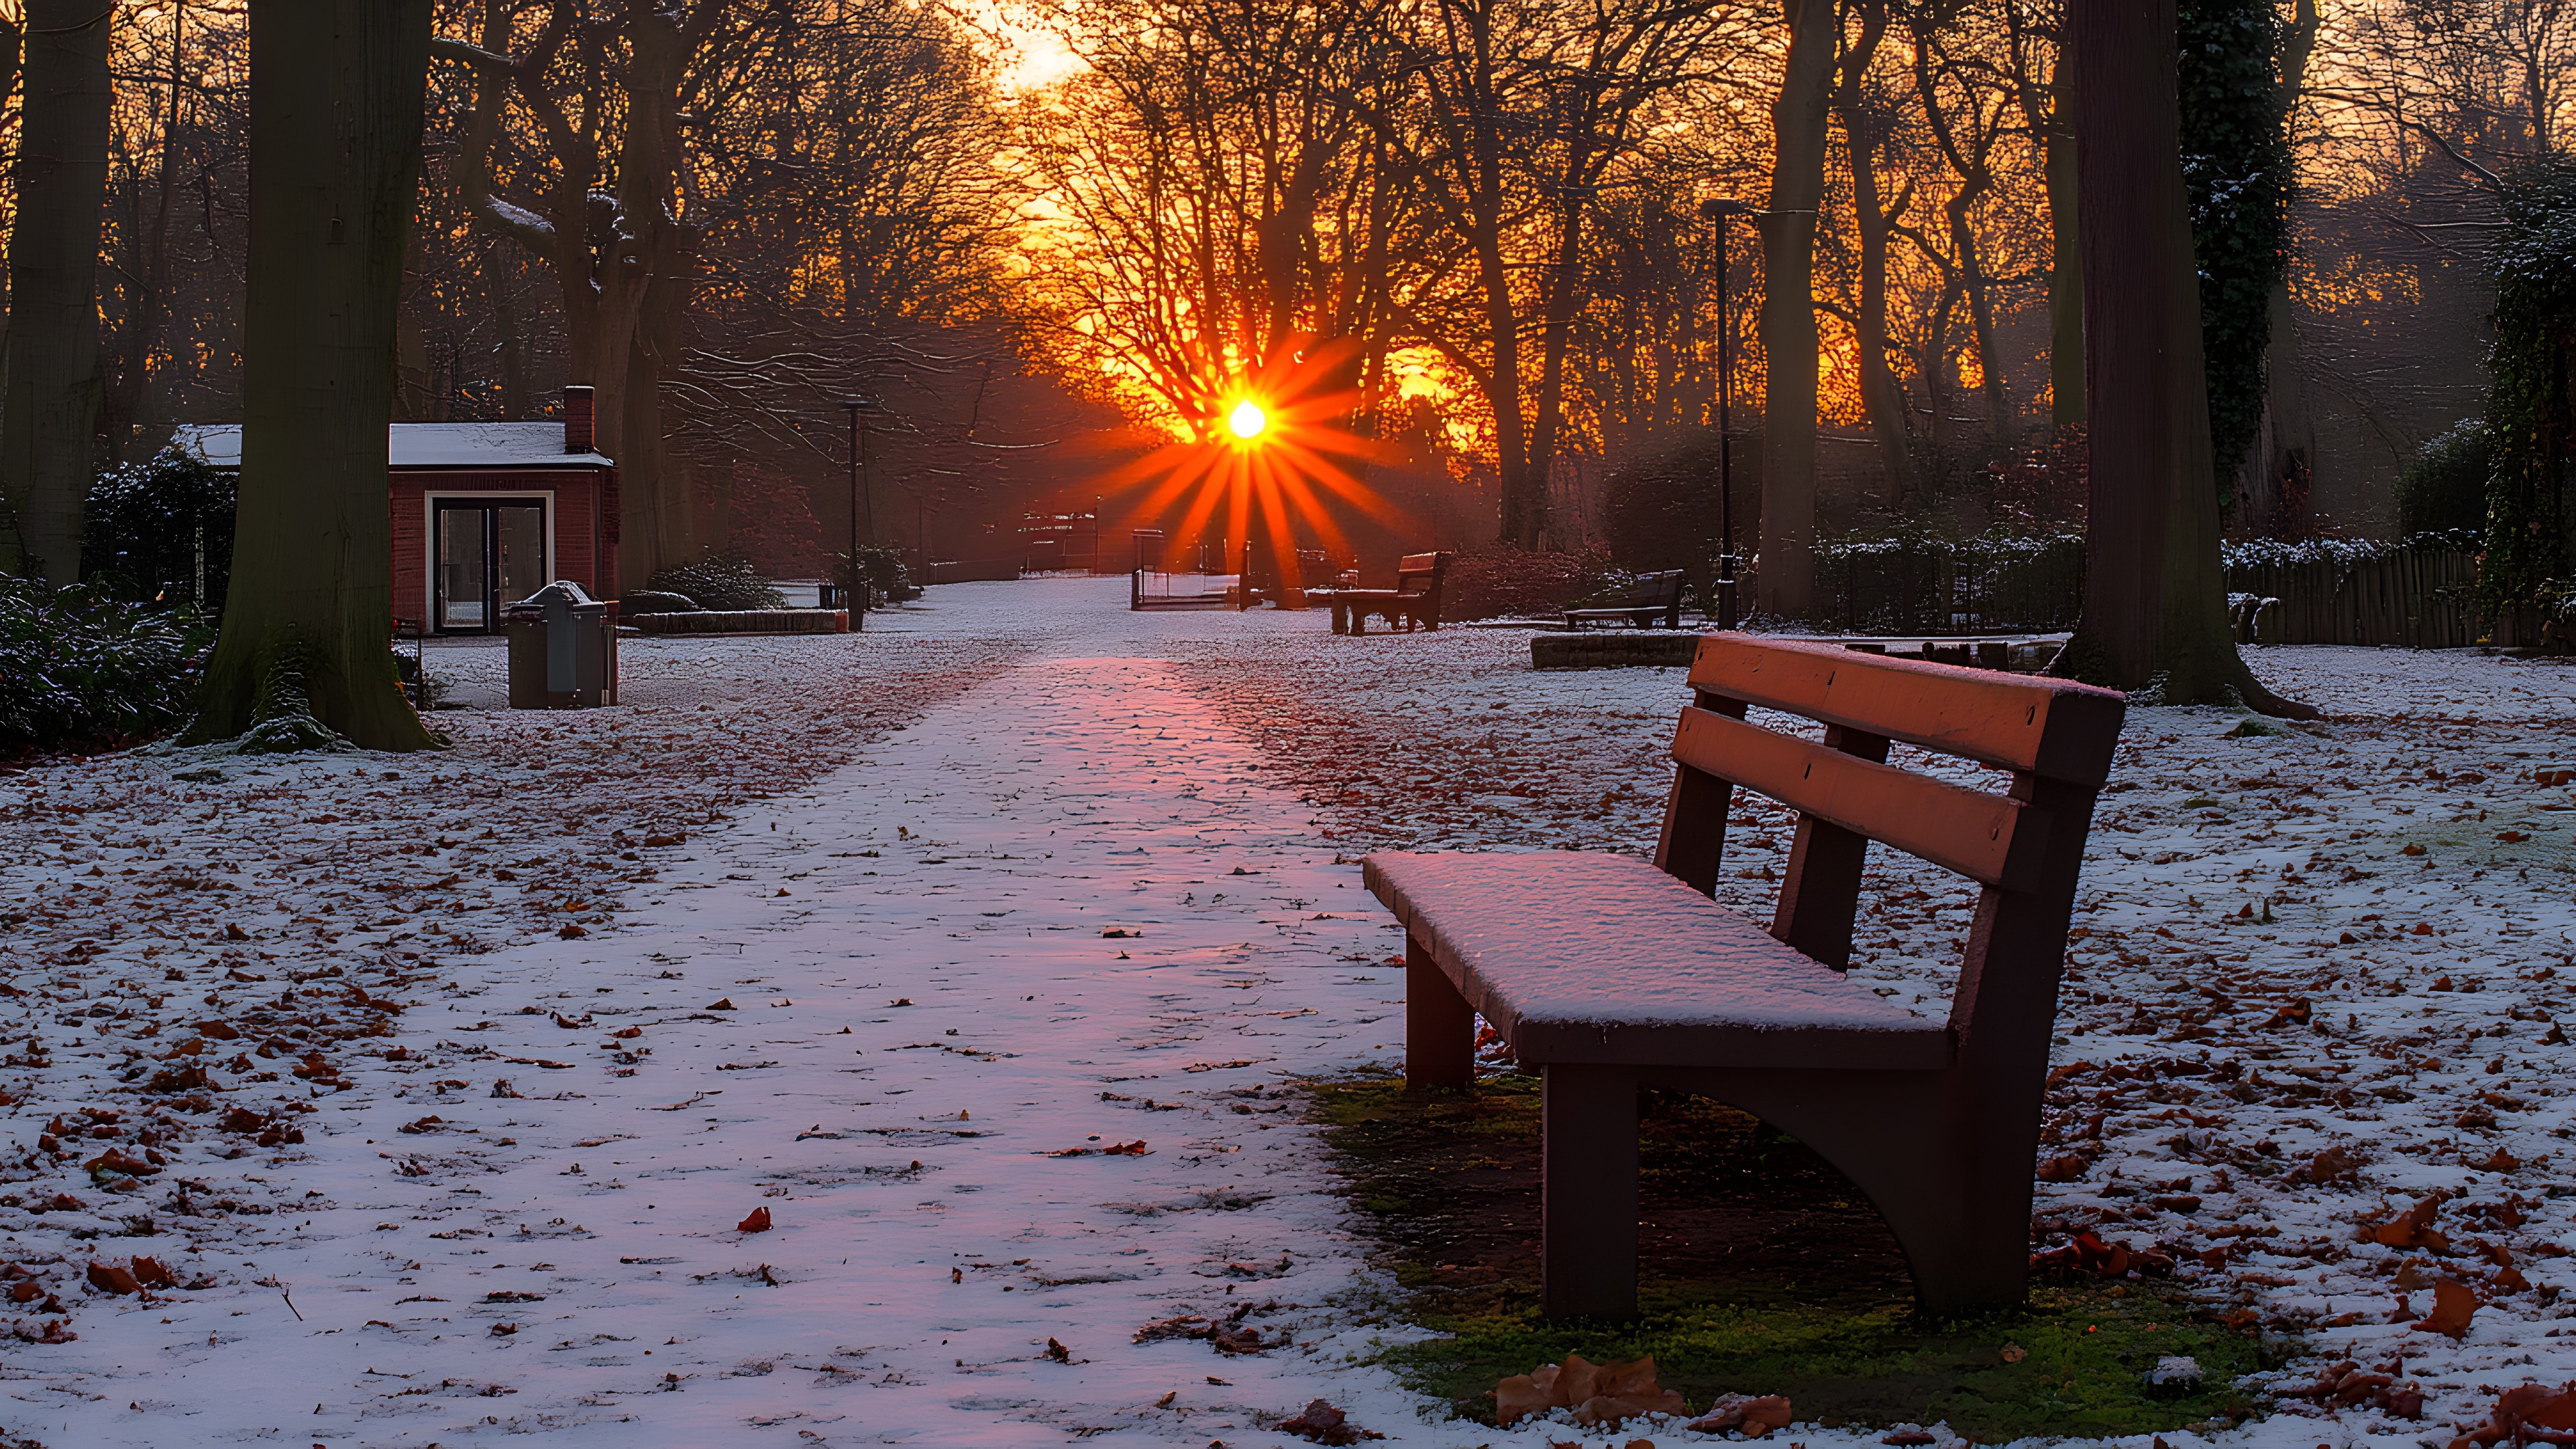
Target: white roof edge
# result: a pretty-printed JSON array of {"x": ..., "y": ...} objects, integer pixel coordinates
[{"x": 532, "y": 444}]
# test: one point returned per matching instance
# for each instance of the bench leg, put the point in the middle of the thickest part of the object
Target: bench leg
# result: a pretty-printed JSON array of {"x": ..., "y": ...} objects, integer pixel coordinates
[
  {"x": 1588, "y": 1192},
  {"x": 1439, "y": 1025}
]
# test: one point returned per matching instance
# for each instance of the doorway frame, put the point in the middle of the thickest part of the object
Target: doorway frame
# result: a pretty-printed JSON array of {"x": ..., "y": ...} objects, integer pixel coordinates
[{"x": 485, "y": 498}]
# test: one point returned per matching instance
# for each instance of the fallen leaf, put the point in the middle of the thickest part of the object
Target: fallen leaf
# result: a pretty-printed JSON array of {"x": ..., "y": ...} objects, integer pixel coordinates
[
  {"x": 1752, "y": 1415},
  {"x": 758, "y": 1222},
  {"x": 110, "y": 1278},
  {"x": 2453, "y": 1306},
  {"x": 1325, "y": 1424},
  {"x": 724, "y": 1005}
]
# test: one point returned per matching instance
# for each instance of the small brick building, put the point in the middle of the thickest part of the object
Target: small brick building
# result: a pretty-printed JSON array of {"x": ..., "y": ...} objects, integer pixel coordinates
[{"x": 484, "y": 514}]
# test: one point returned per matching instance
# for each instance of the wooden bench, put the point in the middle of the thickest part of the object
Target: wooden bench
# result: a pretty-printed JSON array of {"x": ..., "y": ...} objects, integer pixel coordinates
[
  {"x": 1607, "y": 973},
  {"x": 1648, "y": 596},
  {"x": 1414, "y": 602}
]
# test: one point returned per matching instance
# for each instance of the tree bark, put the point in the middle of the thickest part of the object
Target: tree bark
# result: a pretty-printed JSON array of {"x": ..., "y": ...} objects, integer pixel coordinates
[
  {"x": 48, "y": 426},
  {"x": 1788, "y": 324},
  {"x": 2049, "y": 107},
  {"x": 1881, "y": 399},
  {"x": 147, "y": 267},
  {"x": 2155, "y": 600},
  {"x": 335, "y": 125}
]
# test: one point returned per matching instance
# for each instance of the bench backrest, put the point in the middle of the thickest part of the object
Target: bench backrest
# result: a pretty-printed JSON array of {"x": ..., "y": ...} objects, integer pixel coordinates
[
  {"x": 1420, "y": 573},
  {"x": 2025, "y": 846},
  {"x": 1656, "y": 590}
]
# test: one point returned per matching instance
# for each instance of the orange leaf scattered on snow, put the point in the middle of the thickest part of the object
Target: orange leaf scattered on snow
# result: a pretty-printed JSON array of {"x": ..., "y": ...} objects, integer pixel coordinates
[
  {"x": 1325, "y": 1424},
  {"x": 2414, "y": 1228},
  {"x": 1599, "y": 1394},
  {"x": 2453, "y": 1306},
  {"x": 113, "y": 1278},
  {"x": 758, "y": 1222},
  {"x": 1751, "y": 1415},
  {"x": 2529, "y": 1412}
]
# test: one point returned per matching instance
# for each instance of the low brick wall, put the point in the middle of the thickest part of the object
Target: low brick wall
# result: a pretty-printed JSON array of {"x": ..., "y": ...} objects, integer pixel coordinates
[
  {"x": 745, "y": 621},
  {"x": 1667, "y": 648}
]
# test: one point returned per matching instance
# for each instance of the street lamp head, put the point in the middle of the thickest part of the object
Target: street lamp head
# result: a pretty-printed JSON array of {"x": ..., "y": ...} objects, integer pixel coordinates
[
  {"x": 861, "y": 404},
  {"x": 1718, "y": 207}
]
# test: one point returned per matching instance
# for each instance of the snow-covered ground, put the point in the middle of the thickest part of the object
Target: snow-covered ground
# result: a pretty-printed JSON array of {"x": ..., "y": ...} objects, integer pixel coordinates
[{"x": 954, "y": 811}]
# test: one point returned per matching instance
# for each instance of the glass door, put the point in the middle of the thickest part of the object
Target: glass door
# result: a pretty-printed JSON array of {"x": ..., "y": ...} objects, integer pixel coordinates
[{"x": 487, "y": 555}]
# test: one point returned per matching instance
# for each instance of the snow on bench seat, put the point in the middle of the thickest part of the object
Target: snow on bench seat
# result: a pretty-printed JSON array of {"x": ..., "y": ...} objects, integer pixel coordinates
[{"x": 1581, "y": 956}]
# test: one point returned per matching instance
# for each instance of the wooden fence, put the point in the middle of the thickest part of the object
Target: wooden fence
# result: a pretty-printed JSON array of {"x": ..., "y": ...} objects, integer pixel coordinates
[{"x": 2423, "y": 598}]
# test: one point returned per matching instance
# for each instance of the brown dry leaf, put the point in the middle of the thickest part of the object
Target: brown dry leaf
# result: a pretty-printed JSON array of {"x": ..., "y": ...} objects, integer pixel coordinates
[
  {"x": 2453, "y": 1306},
  {"x": 758, "y": 1222},
  {"x": 1752, "y": 1415},
  {"x": 1517, "y": 1398},
  {"x": 1136, "y": 1148},
  {"x": 112, "y": 1278},
  {"x": 1325, "y": 1424},
  {"x": 150, "y": 1273},
  {"x": 2531, "y": 1406},
  {"x": 2408, "y": 1229}
]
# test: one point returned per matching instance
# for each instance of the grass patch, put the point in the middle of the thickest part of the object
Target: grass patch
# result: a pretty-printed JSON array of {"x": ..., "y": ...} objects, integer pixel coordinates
[{"x": 1763, "y": 1271}]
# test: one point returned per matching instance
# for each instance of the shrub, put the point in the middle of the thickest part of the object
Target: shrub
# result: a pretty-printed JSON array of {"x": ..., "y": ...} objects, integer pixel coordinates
[
  {"x": 79, "y": 668},
  {"x": 161, "y": 527},
  {"x": 882, "y": 570},
  {"x": 654, "y": 601},
  {"x": 1501, "y": 581},
  {"x": 723, "y": 582},
  {"x": 1667, "y": 512},
  {"x": 2446, "y": 486}
]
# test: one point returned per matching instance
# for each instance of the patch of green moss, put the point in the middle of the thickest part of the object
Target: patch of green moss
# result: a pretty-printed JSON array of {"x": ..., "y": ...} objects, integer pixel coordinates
[{"x": 1807, "y": 1299}]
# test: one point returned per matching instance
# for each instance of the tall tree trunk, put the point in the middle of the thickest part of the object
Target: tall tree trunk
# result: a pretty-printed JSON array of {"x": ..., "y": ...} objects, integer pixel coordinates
[
  {"x": 2049, "y": 108},
  {"x": 48, "y": 426},
  {"x": 1881, "y": 399},
  {"x": 335, "y": 123},
  {"x": 1788, "y": 325},
  {"x": 2066, "y": 370},
  {"x": 2285, "y": 444},
  {"x": 148, "y": 267},
  {"x": 2155, "y": 600}
]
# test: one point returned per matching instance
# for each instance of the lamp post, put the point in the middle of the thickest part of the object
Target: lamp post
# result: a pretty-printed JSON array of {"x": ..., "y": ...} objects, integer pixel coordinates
[
  {"x": 1719, "y": 212},
  {"x": 861, "y": 506}
]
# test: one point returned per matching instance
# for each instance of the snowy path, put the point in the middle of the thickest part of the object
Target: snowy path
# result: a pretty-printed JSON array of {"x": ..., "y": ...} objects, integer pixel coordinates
[{"x": 973, "y": 867}]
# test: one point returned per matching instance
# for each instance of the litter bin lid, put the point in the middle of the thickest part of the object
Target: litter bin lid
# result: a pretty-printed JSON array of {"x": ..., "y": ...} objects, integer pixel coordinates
[{"x": 562, "y": 592}]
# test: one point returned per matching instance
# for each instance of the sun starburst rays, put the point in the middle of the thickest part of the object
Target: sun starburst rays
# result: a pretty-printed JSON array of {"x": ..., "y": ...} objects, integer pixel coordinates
[{"x": 1268, "y": 447}]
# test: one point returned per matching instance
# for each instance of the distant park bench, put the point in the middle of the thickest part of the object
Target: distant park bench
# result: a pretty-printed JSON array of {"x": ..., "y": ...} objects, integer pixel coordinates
[
  {"x": 1414, "y": 602},
  {"x": 1606, "y": 974},
  {"x": 1648, "y": 596}
]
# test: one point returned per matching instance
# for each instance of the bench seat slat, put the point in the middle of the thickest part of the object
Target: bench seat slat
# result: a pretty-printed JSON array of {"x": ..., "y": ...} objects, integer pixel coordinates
[
  {"x": 1585, "y": 957},
  {"x": 1987, "y": 838},
  {"x": 2061, "y": 730}
]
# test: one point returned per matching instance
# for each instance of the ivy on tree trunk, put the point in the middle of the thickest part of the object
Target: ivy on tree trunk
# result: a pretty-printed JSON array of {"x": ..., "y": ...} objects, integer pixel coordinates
[
  {"x": 2531, "y": 406},
  {"x": 336, "y": 89},
  {"x": 2236, "y": 164}
]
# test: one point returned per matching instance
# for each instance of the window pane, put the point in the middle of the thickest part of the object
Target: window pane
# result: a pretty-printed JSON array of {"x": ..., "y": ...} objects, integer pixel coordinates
[
  {"x": 523, "y": 551},
  {"x": 461, "y": 572}
]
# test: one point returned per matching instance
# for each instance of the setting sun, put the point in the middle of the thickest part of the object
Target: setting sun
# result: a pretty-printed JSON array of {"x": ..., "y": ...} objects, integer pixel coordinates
[{"x": 1247, "y": 420}]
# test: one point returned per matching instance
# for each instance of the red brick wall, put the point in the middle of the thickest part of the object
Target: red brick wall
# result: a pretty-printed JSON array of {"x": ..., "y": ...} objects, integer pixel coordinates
[{"x": 575, "y": 519}]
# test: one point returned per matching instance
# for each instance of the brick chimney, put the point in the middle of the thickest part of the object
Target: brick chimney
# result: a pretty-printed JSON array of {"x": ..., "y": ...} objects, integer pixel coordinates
[{"x": 581, "y": 421}]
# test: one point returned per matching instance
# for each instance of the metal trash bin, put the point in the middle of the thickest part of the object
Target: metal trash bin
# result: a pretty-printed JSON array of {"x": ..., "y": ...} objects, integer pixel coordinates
[{"x": 558, "y": 649}]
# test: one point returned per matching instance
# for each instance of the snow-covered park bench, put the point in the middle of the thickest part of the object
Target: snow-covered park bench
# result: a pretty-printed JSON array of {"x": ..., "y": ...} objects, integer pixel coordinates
[
  {"x": 1606, "y": 973},
  {"x": 1649, "y": 598},
  {"x": 1413, "y": 603}
]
